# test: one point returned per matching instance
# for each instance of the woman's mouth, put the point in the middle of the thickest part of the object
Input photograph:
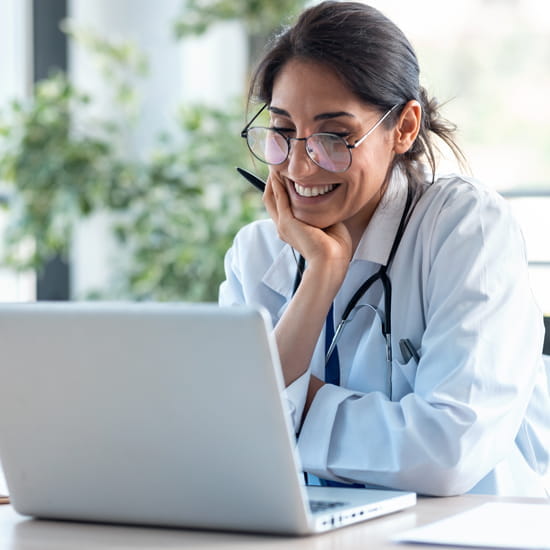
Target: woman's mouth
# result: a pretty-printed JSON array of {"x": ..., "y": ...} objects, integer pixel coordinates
[{"x": 314, "y": 191}]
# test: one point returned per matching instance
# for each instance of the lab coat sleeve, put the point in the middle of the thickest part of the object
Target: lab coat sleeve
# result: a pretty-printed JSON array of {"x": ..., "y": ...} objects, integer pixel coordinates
[
  {"x": 233, "y": 291},
  {"x": 295, "y": 395},
  {"x": 479, "y": 355}
]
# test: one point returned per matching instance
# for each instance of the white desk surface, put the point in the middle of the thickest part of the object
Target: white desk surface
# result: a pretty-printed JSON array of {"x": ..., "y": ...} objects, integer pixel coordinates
[{"x": 20, "y": 533}]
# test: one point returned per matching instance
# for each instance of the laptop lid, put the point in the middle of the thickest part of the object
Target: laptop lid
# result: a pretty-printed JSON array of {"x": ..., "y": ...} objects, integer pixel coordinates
[{"x": 161, "y": 414}]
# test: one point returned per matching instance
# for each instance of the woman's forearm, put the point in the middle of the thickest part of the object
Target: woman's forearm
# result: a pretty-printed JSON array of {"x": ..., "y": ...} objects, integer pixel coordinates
[{"x": 298, "y": 330}]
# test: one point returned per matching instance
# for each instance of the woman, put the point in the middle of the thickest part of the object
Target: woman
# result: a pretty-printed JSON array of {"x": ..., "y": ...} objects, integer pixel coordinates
[{"x": 435, "y": 383}]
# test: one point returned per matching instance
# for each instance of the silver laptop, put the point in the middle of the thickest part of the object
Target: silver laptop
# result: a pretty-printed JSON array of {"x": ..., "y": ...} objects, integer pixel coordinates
[{"x": 158, "y": 414}]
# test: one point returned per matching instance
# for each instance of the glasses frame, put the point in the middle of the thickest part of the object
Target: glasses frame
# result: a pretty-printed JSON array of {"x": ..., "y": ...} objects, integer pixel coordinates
[{"x": 349, "y": 146}]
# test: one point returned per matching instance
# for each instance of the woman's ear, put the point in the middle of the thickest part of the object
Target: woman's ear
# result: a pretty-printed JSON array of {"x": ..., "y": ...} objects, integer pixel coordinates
[{"x": 407, "y": 127}]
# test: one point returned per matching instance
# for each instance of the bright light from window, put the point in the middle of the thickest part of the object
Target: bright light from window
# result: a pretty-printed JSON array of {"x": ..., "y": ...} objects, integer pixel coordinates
[{"x": 490, "y": 59}]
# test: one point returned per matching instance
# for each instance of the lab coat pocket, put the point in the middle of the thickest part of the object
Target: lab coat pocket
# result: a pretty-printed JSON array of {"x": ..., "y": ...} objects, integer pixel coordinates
[{"x": 403, "y": 377}]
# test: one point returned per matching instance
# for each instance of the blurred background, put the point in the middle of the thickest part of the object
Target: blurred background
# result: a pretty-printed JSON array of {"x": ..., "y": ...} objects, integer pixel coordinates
[{"x": 120, "y": 122}]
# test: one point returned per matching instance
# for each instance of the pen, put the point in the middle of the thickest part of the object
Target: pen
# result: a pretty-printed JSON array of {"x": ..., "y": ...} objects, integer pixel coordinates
[
  {"x": 408, "y": 351},
  {"x": 257, "y": 182}
]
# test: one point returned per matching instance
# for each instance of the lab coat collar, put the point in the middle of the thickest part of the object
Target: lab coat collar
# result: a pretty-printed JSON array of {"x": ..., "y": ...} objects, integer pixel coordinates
[
  {"x": 282, "y": 272},
  {"x": 377, "y": 240}
]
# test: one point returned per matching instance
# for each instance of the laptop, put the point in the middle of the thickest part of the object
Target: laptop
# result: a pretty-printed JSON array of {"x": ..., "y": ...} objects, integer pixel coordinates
[{"x": 158, "y": 414}]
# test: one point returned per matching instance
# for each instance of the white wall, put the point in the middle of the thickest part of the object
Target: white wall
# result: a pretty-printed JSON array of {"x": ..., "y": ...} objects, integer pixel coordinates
[
  {"x": 146, "y": 25},
  {"x": 15, "y": 82},
  {"x": 143, "y": 23},
  {"x": 15, "y": 48},
  {"x": 214, "y": 65},
  {"x": 210, "y": 68}
]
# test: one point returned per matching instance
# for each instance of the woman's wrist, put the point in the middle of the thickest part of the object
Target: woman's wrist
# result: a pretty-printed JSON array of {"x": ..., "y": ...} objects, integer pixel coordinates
[{"x": 325, "y": 276}]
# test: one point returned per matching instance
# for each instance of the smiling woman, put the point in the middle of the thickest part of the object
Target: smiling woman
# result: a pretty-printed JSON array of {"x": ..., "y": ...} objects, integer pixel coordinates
[
  {"x": 433, "y": 379},
  {"x": 356, "y": 187}
]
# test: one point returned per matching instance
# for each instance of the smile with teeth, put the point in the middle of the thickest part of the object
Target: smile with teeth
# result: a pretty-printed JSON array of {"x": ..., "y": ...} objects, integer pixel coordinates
[{"x": 313, "y": 191}]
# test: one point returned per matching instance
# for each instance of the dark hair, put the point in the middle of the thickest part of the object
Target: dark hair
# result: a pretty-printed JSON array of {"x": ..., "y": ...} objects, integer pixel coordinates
[{"x": 372, "y": 57}]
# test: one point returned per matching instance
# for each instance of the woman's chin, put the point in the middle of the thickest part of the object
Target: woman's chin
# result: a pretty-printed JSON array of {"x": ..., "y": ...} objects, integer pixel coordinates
[{"x": 314, "y": 220}]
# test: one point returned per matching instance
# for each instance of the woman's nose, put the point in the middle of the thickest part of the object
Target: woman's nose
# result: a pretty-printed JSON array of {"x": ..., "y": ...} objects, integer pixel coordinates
[{"x": 299, "y": 162}]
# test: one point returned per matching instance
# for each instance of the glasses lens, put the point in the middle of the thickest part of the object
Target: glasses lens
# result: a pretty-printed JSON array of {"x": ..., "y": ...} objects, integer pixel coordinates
[
  {"x": 267, "y": 145},
  {"x": 329, "y": 152}
]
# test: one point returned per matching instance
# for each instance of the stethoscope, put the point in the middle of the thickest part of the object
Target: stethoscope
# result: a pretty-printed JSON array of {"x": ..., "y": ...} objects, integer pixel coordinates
[
  {"x": 351, "y": 309},
  {"x": 381, "y": 275}
]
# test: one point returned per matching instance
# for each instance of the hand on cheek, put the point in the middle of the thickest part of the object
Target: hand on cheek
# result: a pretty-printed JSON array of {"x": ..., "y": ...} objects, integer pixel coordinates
[
  {"x": 277, "y": 203},
  {"x": 271, "y": 196},
  {"x": 317, "y": 246}
]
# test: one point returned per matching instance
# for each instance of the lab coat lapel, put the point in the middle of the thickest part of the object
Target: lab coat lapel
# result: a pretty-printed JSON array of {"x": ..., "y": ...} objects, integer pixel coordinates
[
  {"x": 377, "y": 240},
  {"x": 282, "y": 273}
]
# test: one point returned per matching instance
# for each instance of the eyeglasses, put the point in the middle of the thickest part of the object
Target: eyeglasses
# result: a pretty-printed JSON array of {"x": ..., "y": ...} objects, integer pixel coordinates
[{"x": 327, "y": 150}]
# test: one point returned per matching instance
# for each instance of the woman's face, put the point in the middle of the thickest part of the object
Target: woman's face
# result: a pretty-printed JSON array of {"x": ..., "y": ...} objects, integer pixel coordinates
[{"x": 309, "y": 98}]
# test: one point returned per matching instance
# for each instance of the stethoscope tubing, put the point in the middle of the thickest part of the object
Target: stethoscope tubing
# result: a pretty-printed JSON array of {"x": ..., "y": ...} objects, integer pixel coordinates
[{"x": 382, "y": 275}]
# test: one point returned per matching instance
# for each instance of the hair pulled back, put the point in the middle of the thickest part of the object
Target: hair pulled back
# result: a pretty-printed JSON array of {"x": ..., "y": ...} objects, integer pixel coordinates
[{"x": 373, "y": 58}]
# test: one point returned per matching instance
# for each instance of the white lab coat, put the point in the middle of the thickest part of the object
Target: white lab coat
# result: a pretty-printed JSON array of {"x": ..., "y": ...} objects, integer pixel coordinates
[{"x": 474, "y": 413}]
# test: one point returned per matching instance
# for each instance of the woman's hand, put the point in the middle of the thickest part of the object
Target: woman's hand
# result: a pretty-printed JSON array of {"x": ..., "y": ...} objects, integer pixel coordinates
[
  {"x": 327, "y": 253},
  {"x": 328, "y": 247}
]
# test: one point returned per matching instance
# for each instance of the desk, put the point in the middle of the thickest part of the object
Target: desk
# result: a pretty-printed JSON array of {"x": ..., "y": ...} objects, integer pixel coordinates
[{"x": 20, "y": 533}]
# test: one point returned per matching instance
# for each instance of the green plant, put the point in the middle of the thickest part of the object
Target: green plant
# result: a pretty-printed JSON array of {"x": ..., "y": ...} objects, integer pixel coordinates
[
  {"x": 61, "y": 163},
  {"x": 178, "y": 211},
  {"x": 175, "y": 213},
  {"x": 55, "y": 173},
  {"x": 177, "y": 235}
]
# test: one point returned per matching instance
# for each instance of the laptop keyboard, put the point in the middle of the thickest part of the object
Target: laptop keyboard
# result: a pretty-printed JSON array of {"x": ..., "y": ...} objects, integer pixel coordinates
[{"x": 324, "y": 505}]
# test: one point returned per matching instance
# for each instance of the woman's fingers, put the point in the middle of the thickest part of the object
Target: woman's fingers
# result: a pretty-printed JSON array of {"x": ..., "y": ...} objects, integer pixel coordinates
[
  {"x": 270, "y": 202},
  {"x": 278, "y": 207},
  {"x": 289, "y": 228},
  {"x": 311, "y": 242}
]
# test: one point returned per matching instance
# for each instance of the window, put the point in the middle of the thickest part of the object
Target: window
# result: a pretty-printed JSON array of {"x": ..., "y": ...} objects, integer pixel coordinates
[
  {"x": 489, "y": 59},
  {"x": 15, "y": 68}
]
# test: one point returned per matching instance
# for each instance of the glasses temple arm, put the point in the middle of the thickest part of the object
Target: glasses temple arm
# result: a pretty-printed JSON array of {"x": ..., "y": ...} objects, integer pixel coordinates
[
  {"x": 245, "y": 129},
  {"x": 360, "y": 140}
]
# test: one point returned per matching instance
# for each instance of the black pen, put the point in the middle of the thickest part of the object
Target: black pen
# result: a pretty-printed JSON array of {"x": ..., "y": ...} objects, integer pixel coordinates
[{"x": 257, "y": 182}]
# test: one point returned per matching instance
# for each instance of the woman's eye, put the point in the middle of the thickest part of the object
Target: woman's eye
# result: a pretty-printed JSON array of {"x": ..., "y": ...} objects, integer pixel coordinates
[
  {"x": 283, "y": 130},
  {"x": 336, "y": 131}
]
